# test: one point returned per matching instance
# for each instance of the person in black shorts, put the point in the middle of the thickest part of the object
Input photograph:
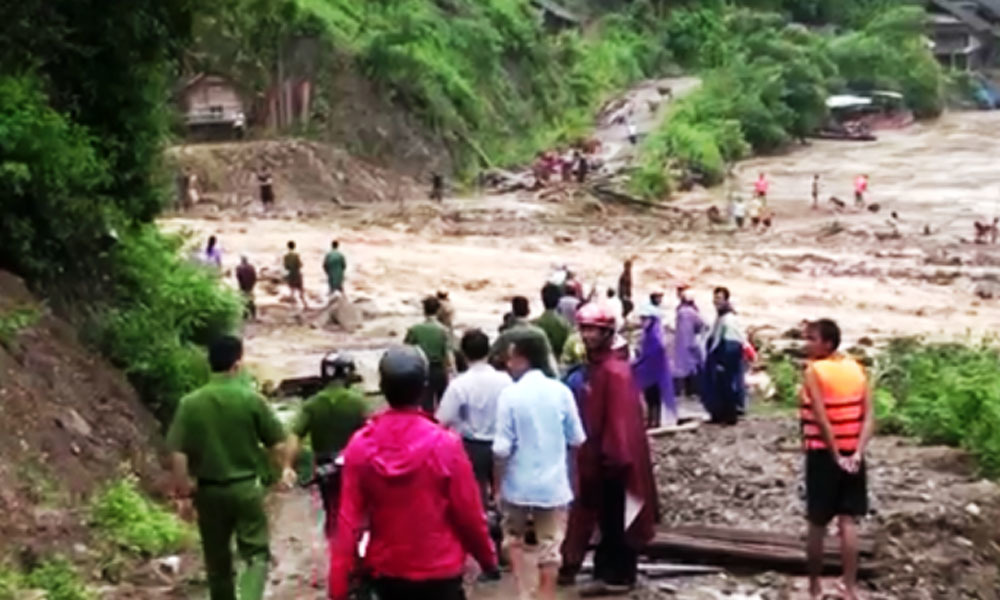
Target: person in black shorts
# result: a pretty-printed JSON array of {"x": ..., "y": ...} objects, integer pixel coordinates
[{"x": 837, "y": 423}]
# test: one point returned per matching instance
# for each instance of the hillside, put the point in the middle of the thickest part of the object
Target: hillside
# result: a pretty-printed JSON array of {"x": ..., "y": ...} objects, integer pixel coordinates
[{"x": 72, "y": 424}]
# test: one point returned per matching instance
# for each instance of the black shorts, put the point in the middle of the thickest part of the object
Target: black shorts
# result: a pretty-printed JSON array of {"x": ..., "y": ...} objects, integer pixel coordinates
[{"x": 832, "y": 491}]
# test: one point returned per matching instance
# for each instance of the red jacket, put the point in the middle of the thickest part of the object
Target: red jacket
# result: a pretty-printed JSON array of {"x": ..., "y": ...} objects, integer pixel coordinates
[{"x": 409, "y": 481}]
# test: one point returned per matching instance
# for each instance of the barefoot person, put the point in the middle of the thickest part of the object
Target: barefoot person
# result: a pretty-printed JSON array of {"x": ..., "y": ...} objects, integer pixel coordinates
[
  {"x": 837, "y": 423},
  {"x": 537, "y": 422}
]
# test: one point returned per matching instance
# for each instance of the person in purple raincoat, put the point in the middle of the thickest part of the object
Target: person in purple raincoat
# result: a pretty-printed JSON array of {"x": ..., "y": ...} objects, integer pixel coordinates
[
  {"x": 689, "y": 352},
  {"x": 651, "y": 370}
]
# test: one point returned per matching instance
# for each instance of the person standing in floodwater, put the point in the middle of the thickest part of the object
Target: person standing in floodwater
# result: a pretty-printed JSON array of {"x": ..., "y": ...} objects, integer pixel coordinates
[
  {"x": 815, "y": 191},
  {"x": 293, "y": 274},
  {"x": 335, "y": 264},
  {"x": 860, "y": 189},
  {"x": 761, "y": 187}
]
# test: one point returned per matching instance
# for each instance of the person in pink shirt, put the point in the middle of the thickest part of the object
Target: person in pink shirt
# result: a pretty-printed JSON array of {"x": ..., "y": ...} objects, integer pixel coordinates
[
  {"x": 761, "y": 186},
  {"x": 860, "y": 189}
]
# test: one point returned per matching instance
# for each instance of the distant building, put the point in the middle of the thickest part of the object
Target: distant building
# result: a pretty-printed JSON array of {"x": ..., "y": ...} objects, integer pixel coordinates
[
  {"x": 212, "y": 106},
  {"x": 555, "y": 17},
  {"x": 964, "y": 34}
]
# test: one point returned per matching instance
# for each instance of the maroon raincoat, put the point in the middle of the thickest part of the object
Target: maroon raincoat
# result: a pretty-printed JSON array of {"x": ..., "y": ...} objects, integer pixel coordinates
[{"x": 611, "y": 410}]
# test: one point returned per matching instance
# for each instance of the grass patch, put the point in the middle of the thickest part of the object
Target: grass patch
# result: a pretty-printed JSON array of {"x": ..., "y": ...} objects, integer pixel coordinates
[
  {"x": 56, "y": 577},
  {"x": 786, "y": 377},
  {"x": 127, "y": 518},
  {"x": 13, "y": 322}
]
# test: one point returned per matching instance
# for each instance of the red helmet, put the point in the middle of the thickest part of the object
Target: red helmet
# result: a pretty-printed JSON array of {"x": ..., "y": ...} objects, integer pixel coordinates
[{"x": 595, "y": 315}]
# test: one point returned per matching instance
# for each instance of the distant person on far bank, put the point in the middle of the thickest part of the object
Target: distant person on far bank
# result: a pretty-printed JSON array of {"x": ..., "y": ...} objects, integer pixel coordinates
[
  {"x": 293, "y": 274},
  {"x": 265, "y": 182},
  {"x": 335, "y": 265},
  {"x": 837, "y": 423},
  {"x": 437, "y": 187},
  {"x": 246, "y": 277}
]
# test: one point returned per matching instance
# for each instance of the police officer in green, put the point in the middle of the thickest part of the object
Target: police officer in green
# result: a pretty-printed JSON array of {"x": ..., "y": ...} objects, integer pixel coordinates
[
  {"x": 329, "y": 419},
  {"x": 434, "y": 339},
  {"x": 215, "y": 438}
]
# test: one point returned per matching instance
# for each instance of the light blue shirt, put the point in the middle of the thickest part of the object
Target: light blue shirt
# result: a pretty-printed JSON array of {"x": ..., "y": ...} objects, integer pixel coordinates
[{"x": 536, "y": 421}]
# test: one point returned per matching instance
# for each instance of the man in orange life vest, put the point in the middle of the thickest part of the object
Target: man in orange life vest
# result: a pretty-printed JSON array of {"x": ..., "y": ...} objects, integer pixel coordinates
[{"x": 837, "y": 423}]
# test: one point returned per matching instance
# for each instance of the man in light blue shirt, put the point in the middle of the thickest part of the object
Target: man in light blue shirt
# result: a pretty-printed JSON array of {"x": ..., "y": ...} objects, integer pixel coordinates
[{"x": 537, "y": 424}]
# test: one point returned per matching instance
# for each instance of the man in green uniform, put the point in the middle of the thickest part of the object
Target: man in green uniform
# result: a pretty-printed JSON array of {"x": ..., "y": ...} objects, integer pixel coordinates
[
  {"x": 432, "y": 337},
  {"x": 215, "y": 438},
  {"x": 335, "y": 264},
  {"x": 519, "y": 326},
  {"x": 556, "y": 328},
  {"x": 329, "y": 419}
]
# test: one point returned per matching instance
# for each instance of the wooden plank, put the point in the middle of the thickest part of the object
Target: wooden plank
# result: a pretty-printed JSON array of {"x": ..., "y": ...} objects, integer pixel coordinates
[
  {"x": 741, "y": 555},
  {"x": 750, "y": 536},
  {"x": 686, "y": 426}
]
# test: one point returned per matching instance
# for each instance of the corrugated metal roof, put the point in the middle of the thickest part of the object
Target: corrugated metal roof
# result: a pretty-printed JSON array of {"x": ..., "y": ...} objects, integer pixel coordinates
[{"x": 974, "y": 21}]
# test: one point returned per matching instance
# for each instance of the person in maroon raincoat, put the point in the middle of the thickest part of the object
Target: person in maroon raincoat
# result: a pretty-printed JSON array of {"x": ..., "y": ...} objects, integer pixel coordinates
[{"x": 616, "y": 489}]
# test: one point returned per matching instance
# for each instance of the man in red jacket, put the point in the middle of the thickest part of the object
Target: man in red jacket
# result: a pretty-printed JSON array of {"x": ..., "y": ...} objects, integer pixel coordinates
[
  {"x": 410, "y": 483},
  {"x": 617, "y": 492}
]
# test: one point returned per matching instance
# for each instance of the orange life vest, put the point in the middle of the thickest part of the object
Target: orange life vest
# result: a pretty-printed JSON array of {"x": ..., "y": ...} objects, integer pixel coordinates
[{"x": 843, "y": 385}]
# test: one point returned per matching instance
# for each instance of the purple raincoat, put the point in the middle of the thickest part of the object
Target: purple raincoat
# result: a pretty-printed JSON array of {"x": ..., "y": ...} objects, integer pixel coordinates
[
  {"x": 689, "y": 354},
  {"x": 652, "y": 366}
]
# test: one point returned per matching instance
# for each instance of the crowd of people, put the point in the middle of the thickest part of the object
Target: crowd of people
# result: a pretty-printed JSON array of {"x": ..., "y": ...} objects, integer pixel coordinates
[
  {"x": 758, "y": 215},
  {"x": 486, "y": 448}
]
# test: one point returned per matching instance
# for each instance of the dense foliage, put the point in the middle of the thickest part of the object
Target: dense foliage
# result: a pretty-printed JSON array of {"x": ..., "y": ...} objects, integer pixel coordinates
[
  {"x": 128, "y": 519},
  {"x": 57, "y": 579},
  {"x": 766, "y": 80},
  {"x": 944, "y": 394},
  {"x": 82, "y": 124}
]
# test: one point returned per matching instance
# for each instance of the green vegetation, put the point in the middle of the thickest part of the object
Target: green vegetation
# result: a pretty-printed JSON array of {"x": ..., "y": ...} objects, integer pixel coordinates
[
  {"x": 943, "y": 394},
  {"x": 786, "y": 377},
  {"x": 481, "y": 74},
  {"x": 80, "y": 157},
  {"x": 127, "y": 518},
  {"x": 56, "y": 577},
  {"x": 13, "y": 322},
  {"x": 765, "y": 80}
]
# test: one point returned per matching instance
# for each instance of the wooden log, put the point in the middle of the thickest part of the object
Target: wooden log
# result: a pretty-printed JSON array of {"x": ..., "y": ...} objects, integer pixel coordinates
[
  {"x": 657, "y": 570},
  {"x": 770, "y": 538},
  {"x": 749, "y": 556},
  {"x": 662, "y": 431}
]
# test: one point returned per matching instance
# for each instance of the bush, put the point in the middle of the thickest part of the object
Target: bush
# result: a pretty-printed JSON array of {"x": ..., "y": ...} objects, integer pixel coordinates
[
  {"x": 786, "y": 377},
  {"x": 127, "y": 518},
  {"x": 161, "y": 310},
  {"x": 59, "y": 580},
  {"x": 944, "y": 394}
]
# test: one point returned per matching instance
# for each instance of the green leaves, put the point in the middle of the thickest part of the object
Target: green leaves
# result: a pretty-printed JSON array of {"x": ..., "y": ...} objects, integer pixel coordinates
[{"x": 130, "y": 520}]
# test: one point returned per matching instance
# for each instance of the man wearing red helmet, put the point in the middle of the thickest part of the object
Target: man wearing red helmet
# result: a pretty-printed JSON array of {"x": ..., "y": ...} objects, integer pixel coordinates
[{"x": 617, "y": 492}]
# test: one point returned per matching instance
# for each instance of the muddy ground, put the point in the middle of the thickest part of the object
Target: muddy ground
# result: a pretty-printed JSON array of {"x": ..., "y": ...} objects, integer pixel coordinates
[{"x": 879, "y": 276}]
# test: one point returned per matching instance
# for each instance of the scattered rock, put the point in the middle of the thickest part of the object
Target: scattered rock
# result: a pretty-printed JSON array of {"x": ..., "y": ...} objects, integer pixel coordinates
[{"x": 973, "y": 509}]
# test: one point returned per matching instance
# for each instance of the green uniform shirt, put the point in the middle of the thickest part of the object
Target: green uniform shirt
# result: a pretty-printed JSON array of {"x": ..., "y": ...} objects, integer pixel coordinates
[
  {"x": 431, "y": 337},
  {"x": 330, "y": 418},
  {"x": 335, "y": 264},
  {"x": 556, "y": 328},
  {"x": 520, "y": 328},
  {"x": 221, "y": 426}
]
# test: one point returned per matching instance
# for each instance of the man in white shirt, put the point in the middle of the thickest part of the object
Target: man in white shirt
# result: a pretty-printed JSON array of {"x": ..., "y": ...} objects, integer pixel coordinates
[
  {"x": 469, "y": 407},
  {"x": 537, "y": 424}
]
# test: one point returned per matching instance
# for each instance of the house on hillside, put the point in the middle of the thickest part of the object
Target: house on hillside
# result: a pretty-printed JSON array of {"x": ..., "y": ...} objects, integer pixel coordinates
[
  {"x": 212, "y": 105},
  {"x": 556, "y": 18},
  {"x": 964, "y": 33}
]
